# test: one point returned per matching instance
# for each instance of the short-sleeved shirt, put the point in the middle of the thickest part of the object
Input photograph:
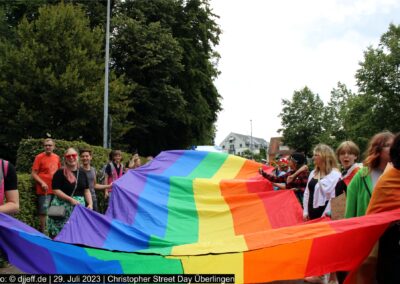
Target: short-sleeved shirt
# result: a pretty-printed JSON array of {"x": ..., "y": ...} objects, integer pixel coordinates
[
  {"x": 10, "y": 180},
  {"x": 60, "y": 182},
  {"x": 45, "y": 166}
]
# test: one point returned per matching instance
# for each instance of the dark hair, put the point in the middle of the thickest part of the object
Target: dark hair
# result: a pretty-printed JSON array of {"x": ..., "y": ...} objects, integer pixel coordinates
[
  {"x": 298, "y": 158},
  {"x": 81, "y": 151},
  {"x": 395, "y": 152}
]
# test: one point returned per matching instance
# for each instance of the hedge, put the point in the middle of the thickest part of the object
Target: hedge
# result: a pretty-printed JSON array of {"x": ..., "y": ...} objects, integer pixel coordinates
[
  {"x": 29, "y": 148},
  {"x": 27, "y": 201}
]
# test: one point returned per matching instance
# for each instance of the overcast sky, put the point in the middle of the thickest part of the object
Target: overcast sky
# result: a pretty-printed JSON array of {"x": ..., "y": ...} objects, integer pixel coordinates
[{"x": 270, "y": 48}]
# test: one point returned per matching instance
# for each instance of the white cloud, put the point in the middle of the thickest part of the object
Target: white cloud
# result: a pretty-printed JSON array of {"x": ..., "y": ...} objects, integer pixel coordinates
[{"x": 269, "y": 49}]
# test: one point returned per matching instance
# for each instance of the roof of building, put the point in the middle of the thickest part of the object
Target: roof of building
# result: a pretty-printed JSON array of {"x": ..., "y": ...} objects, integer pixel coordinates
[{"x": 247, "y": 138}]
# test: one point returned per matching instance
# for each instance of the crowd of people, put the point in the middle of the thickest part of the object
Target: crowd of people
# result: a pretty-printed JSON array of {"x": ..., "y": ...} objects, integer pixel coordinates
[
  {"x": 370, "y": 187},
  {"x": 72, "y": 182}
]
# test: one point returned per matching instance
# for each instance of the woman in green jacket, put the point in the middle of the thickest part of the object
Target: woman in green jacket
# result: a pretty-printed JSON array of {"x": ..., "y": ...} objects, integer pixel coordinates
[{"x": 361, "y": 186}]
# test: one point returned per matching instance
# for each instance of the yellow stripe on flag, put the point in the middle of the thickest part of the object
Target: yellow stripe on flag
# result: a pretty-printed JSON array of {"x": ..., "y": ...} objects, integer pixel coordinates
[
  {"x": 215, "y": 217},
  {"x": 215, "y": 264}
]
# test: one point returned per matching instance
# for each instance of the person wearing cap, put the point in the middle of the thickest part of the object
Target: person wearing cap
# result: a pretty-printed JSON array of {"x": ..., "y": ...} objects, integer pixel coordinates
[{"x": 299, "y": 183}]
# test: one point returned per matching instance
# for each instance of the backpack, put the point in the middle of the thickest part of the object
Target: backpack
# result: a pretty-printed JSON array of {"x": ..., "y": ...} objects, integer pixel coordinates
[
  {"x": 102, "y": 174},
  {"x": 3, "y": 175}
]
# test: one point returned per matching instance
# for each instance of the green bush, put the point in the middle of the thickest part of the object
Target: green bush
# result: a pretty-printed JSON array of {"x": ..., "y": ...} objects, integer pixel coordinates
[
  {"x": 28, "y": 201},
  {"x": 29, "y": 148}
]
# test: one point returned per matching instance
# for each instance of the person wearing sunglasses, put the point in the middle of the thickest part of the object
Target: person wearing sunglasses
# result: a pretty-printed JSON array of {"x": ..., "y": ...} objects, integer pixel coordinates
[
  {"x": 70, "y": 188},
  {"x": 43, "y": 169}
]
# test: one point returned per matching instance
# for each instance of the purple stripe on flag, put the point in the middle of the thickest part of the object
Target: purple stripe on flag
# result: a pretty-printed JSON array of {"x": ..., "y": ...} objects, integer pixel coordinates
[
  {"x": 91, "y": 221},
  {"x": 27, "y": 256},
  {"x": 130, "y": 186},
  {"x": 9, "y": 222}
]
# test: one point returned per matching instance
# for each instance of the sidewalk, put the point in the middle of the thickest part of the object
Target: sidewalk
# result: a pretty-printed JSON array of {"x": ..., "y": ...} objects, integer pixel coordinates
[{"x": 10, "y": 270}]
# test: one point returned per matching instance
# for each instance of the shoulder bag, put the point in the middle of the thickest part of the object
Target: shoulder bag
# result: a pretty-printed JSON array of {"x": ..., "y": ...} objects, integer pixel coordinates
[{"x": 58, "y": 211}]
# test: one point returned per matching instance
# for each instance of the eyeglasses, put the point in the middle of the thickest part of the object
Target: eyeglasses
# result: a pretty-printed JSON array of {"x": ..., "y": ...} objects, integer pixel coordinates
[
  {"x": 48, "y": 145},
  {"x": 69, "y": 156}
]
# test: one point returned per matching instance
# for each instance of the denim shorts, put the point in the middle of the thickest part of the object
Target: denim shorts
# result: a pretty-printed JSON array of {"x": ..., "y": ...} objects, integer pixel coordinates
[{"x": 44, "y": 203}]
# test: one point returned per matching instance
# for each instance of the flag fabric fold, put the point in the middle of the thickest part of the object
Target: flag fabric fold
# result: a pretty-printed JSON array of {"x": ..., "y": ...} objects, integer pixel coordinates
[{"x": 196, "y": 212}]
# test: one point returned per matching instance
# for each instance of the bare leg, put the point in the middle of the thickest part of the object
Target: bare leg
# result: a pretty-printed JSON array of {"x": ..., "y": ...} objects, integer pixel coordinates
[{"x": 42, "y": 223}]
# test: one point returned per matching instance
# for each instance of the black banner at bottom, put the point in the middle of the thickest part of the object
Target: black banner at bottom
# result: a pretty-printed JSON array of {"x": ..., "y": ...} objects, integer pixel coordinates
[{"x": 116, "y": 278}]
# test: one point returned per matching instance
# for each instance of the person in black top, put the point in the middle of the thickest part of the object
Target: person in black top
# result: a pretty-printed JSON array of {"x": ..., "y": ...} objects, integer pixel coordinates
[
  {"x": 9, "y": 197},
  {"x": 70, "y": 188}
]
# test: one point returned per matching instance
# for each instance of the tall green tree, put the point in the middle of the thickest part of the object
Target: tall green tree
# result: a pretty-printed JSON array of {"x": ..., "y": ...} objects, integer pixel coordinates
[
  {"x": 301, "y": 119},
  {"x": 166, "y": 48},
  {"x": 51, "y": 80},
  {"x": 377, "y": 106},
  {"x": 15, "y": 11},
  {"x": 335, "y": 128}
]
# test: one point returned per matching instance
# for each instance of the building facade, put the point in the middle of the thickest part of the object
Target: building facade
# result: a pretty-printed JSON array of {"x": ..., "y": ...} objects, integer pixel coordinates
[
  {"x": 277, "y": 148},
  {"x": 236, "y": 144}
]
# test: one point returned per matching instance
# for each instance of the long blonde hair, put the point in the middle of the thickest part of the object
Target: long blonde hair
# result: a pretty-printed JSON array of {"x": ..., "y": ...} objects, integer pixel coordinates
[{"x": 328, "y": 157}]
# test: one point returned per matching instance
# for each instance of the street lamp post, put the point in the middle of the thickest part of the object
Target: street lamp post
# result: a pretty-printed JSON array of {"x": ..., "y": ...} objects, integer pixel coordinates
[{"x": 105, "y": 118}]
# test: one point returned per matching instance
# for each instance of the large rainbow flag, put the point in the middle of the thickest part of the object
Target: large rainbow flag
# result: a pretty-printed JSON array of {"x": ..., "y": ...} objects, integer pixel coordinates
[{"x": 194, "y": 212}]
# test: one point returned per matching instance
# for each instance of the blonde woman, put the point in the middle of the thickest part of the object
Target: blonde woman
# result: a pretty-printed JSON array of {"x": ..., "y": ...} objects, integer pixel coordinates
[
  {"x": 134, "y": 162},
  {"x": 320, "y": 189},
  {"x": 321, "y": 183},
  {"x": 70, "y": 187}
]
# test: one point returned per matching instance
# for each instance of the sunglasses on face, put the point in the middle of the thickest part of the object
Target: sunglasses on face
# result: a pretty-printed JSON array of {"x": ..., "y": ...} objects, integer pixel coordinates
[
  {"x": 48, "y": 145},
  {"x": 69, "y": 156}
]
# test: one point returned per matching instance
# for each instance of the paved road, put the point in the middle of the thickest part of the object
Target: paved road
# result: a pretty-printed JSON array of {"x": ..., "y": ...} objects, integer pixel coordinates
[{"x": 9, "y": 270}]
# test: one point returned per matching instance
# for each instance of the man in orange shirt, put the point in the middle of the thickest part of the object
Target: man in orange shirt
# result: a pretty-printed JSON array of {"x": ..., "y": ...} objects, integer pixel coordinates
[{"x": 43, "y": 169}]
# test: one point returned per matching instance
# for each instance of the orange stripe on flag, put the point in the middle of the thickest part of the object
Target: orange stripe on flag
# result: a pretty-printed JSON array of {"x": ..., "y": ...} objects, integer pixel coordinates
[
  {"x": 249, "y": 170},
  {"x": 247, "y": 209},
  {"x": 288, "y": 261}
]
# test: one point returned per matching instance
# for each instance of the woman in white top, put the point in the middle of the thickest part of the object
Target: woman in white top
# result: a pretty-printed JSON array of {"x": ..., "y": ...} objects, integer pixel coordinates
[{"x": 321, "y": 183}]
